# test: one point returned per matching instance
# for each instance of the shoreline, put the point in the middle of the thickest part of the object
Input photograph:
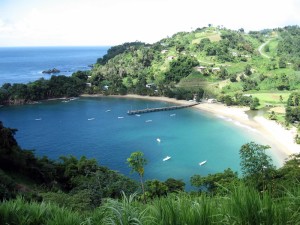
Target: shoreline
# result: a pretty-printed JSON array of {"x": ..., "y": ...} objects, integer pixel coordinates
[{"x": 280, "y": 138}]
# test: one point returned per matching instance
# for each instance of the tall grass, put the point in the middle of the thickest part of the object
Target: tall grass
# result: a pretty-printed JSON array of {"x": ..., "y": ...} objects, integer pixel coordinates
[
  {"x": 20, "y": 212},
  {"x": 244, "y": 205},
  {"x": 183, "y": 209},
  {"x": 125, "y": 212}
]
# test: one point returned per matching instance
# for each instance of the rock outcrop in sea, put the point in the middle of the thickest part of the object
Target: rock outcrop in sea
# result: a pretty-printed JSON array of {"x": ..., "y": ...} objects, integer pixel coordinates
[{"x": 54, "y": 70}]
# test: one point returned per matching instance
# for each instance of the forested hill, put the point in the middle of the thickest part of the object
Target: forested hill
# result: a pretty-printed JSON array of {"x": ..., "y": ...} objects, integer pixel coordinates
[
  {"x": 255, "y": 69},
  {"x": 216, "y": 61},
  {"x": 219, "y": 60}
]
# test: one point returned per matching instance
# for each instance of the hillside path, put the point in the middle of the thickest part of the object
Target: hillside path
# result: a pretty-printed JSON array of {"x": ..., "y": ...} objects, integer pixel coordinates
[{"x": 260, "y": 48}]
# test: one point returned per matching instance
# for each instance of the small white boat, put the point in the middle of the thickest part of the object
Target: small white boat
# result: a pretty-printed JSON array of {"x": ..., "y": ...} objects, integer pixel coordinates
[
  {"x": 120, "y": 117},
  {"x": 137, "y": 115},
  {"x": 148, "y": 121},
  {"x": 157, "y": 139},
  {"x": 202, "y": 163},
  {"x": 38, "y": 119},
  {"x": 167, "y": 158},
  {"x": 173, "y": 115},
  {"x": 91, "y": 118},
  {"x": 108, "y": 110}
]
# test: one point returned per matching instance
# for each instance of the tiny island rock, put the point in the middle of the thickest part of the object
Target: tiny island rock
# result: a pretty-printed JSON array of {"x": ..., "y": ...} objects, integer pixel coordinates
[{"x": 54, "y": 70}]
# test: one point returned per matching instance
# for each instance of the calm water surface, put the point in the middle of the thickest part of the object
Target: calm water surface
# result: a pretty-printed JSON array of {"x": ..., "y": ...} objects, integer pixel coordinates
[
  {"x": 100, "y": 128},
  {"x": 24, "y": 64}
]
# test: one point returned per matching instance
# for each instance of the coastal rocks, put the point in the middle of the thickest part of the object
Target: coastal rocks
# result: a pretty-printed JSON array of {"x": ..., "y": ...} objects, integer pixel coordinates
[{"x": 54, "y": 70}]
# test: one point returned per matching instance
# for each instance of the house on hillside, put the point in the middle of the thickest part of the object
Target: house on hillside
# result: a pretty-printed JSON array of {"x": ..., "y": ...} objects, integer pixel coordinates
[
  {"x": 246, "y": 56},
  {"x": 149, "y": 85},
  {"x": 216, "y": 69},
  {"x": 171, "y": 57},
  {"x": 164, "y": 51},
  {"x": 211, "y": 100},
  {"x": 201, "y": 68},
  {"x": 234, "y": 54}
]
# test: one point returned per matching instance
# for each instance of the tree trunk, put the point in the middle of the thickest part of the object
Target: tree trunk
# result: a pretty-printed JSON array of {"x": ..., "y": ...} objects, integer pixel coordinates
[{"x": 143, "y": 189}]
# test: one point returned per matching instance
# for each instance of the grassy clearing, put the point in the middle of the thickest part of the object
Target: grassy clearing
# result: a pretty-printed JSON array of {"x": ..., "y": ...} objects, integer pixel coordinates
[
  {"x": 236, "y": 68},
  {"x": 213, "y": 37},
  {"x": 272, "y": 98},
  {"x": 197, "y": 79}
]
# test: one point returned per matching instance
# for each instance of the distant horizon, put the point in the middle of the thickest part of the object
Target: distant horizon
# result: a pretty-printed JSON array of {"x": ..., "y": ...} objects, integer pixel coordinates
[{"x": 54, "y": 46}]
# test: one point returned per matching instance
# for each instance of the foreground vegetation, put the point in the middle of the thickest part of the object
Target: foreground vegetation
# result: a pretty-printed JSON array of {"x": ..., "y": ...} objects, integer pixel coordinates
[{"x": 242, "y": 205}]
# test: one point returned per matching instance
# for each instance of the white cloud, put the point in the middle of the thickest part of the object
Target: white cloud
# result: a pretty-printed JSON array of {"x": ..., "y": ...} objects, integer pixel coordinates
[{"x": 106, "y": 22}]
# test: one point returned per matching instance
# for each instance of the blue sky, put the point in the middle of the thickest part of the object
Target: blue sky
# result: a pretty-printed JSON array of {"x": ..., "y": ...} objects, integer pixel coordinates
[{"x": 111, "y": 22}]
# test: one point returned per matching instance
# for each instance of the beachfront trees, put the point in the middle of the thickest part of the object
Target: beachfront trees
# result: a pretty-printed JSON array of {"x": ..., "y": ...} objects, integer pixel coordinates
[
  {"x": 136, "y": 162},
  {"x": 254, "y": 103},
  {"x": 256, "y": 165},
  {"x": 293, "y": 108}
]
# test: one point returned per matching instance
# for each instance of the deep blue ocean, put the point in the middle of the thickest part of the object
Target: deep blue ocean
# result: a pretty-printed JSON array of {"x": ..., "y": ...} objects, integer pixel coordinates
[
  {"x": 100, "y": 128},
  {"x": 24, "y": 64}
]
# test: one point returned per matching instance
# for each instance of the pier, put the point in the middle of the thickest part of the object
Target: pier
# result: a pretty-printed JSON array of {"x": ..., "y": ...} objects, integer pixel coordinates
[{"x": 148, "y": 110}]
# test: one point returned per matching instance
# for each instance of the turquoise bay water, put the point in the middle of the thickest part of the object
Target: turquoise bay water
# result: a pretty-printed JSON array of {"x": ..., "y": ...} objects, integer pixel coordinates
[
  {"x": 100, "y": 128},
  {"x": 85, "y": 127}
]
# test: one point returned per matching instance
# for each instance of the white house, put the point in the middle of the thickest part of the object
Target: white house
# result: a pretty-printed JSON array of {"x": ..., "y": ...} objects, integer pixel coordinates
[
  {"x": 149, "y": 85},
  {"x": 216, "y": 69},
  {"x": 211, "y": 100},
  {"x": 200, "y": 68}
]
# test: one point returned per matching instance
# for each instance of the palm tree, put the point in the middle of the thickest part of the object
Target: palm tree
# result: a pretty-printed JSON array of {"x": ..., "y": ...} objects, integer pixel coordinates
[{"x": 137, "y": 162}]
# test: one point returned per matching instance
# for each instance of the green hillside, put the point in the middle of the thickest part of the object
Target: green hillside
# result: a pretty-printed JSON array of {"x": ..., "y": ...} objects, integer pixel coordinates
[
  {"x": 220, "y": 61},
  {"x": 216, "y": 61}
]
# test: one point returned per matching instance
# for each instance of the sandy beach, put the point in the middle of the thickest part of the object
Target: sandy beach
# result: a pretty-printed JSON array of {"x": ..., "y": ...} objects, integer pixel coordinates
[{"x": 274, "y": 133}]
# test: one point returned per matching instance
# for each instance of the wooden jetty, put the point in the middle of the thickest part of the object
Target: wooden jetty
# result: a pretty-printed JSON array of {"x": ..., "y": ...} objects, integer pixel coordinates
[{"x": 148, "y": 110}]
